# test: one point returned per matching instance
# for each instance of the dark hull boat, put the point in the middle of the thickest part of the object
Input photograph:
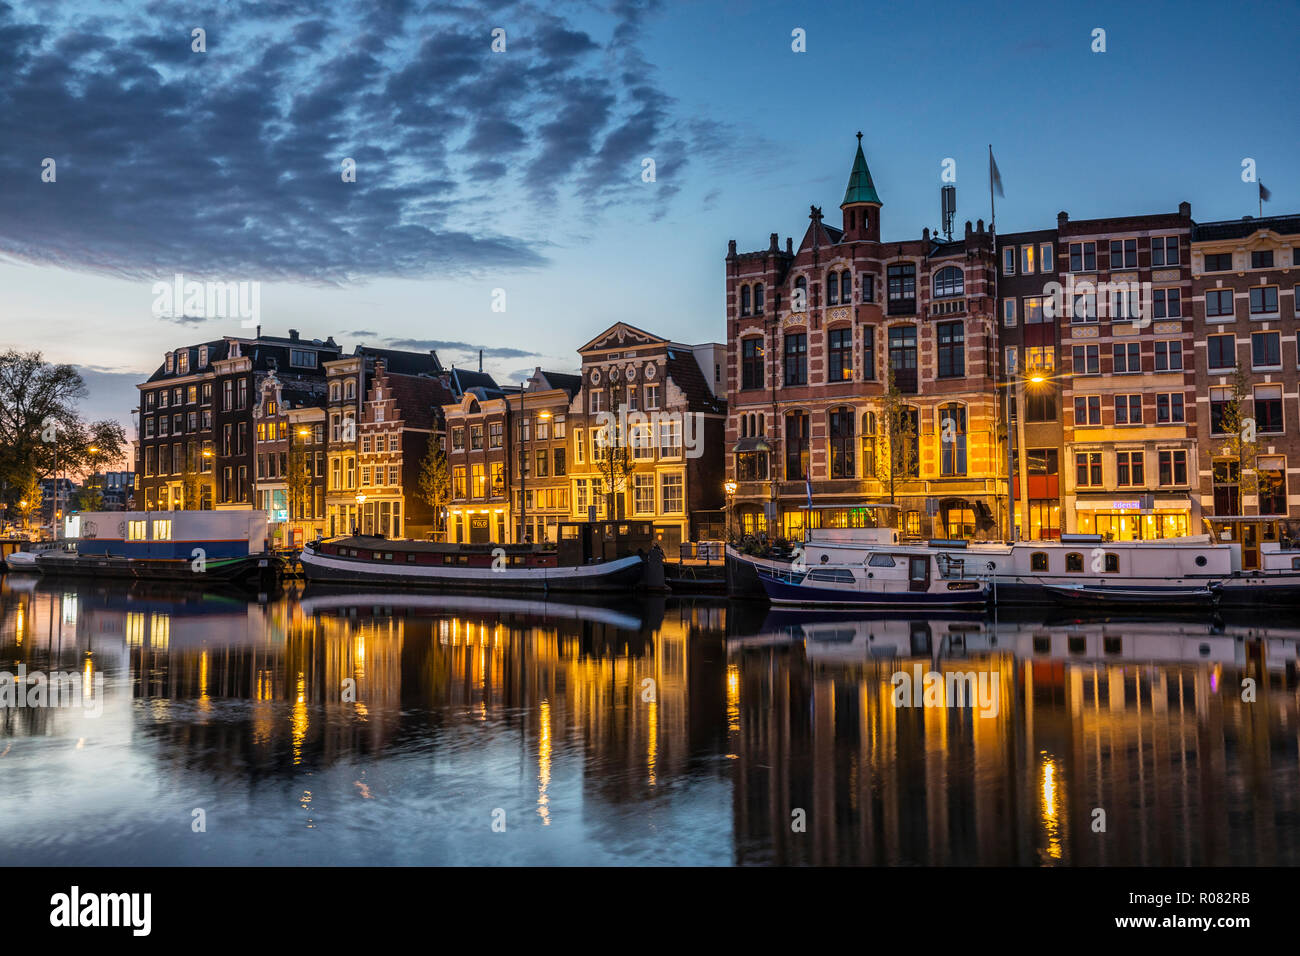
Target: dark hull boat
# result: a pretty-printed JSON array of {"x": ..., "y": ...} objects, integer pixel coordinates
[
  {"x": 254, "y": 570},
  {"x": 417, "y": 564}
]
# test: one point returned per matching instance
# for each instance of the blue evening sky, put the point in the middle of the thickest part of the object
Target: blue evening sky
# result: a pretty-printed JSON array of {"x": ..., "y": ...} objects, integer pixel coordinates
[{"x": 522, "y": 170}]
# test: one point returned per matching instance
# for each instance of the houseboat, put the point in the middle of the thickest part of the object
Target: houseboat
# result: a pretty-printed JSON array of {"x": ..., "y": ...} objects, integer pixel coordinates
[
  {"x": 887, "y": 579},
  {"x": 186, "y": 547},
  {"x": 1079, "y": 569},
  {"x": 604, "y": 556}
]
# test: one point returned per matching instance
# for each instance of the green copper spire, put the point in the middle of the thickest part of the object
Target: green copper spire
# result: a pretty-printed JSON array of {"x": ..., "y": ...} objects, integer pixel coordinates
[{"x": 861, "y": 188}]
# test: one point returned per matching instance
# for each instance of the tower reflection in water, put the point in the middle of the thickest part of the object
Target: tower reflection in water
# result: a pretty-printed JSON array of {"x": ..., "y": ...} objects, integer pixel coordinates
[{"x": 694, "y": 732}]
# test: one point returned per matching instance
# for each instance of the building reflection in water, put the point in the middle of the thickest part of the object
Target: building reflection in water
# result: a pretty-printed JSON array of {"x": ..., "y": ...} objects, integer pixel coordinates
[{"x": 1111, "y": 743}]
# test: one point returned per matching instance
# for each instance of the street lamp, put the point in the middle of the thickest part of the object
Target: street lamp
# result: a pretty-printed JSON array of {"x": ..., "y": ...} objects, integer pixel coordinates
[
  {"x": 729, "y": 487},
  {"x": 1013, "y": 380}
]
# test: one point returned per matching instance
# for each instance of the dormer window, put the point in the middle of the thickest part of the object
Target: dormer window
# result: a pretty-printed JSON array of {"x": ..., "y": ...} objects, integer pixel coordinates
[
  {"x": 183, "y": 363},
  {"x": 203, "y": 356},
  {"x": 169, "y": 364}
]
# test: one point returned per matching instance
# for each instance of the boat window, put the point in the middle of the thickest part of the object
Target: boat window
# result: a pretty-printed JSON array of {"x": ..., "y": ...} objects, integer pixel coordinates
[
  {"x": 1112, "y": 563},
  {"x": 881, "y": 561},
  {"x": 834, "y": 575},
  {"x": 1200, "y": 561},
  {"x": 1077, "y": 645},
  {"x": 411, "y": 557},
  {"x": 1042, "y": 644},
  {"x": 1038, "y": 561},
  {"x": 1112, "y": 645},
  {"x": 377, "y": 556},
  {"x": 162, "y": 530},
  {"x": 388, "y": 555},
  {"x": 1074, "y": 561},
  {"x": 1295, "y": 564},
  {"x": 135, "y": 531}
]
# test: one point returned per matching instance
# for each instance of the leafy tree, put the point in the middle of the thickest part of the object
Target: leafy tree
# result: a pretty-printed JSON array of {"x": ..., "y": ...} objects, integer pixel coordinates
[
  {"x": 28, "y": 498},
  {"x": 897, "y": 453},
  {"x": 191, "y": 478},
  {"x": 1239, "y": 447},
  {"x": 297, "y": 478},
  {"x": 435, "y": 483},
  {"x": 90, "y": 497},
  {"x": 41, "y": 427},
  {"x": 613, "y": 460}
]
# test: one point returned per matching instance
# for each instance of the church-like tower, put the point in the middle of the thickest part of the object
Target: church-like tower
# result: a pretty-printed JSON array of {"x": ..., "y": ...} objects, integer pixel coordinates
[{"x": 861, "y": 205}]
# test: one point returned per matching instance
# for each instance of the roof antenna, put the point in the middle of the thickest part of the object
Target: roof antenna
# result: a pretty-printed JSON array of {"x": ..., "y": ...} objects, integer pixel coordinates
[{"x": 480, "y": 361}]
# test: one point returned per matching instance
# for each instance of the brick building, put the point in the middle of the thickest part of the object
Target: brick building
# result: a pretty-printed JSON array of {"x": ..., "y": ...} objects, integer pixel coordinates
[
  {"x": 539, "y": 421},
  {"x": 1129, "y": 392},
  {"x": 288, "y": 438},
  {"x": 196, "y": 422},
  {"x": 1030, "y": 340},
  {"x": 814, "y": 336},
  {"x": 1245, "y": 275},
  {"x": 401, "y": 416}
]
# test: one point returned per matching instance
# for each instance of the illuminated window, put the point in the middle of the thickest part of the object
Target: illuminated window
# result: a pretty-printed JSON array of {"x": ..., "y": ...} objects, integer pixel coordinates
[
  {"x": 162, "y": 530},
  {"x": 135, "y": 531}
]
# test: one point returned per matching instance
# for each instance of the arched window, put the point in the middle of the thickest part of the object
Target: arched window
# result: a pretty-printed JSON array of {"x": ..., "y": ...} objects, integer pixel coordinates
[
  {"x": 796, "y": 446},
  {"x": 1038, "y": 561},
  {"x": 832, "y": 288},
  {"x": 744, "y": 426},
  {"x": 1074, "y": 562},
  {"x": 949, "y": 281},
  {"x": 952, "y": 440},
  {"x": 868, "y": 444},
  {"x": 846, "y": 287},
  {"x": 758, "y": 299},
  {"x": 350, "y": 389},
  {"x": 744, "y": 300},
  {"x": 841, "y": 441},
  {"x": 800, "y": 301},
  {"x": 761, "y": 430},
  {"x": 334, "y": 392}
]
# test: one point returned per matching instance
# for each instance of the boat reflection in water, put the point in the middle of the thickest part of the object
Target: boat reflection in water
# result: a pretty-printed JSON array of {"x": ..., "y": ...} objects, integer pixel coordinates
[{"x": 390, "y": 728}]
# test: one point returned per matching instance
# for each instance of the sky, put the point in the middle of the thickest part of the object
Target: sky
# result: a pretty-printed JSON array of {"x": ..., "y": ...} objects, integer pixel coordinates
[{"x": 502, "y": 198}]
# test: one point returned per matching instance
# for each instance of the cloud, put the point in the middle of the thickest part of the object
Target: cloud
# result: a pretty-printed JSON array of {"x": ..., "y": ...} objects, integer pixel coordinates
[
  {"x": 361, "y": 334},
  {"x": 489, "y": 351},
  {"x": 226, "y": 164}
]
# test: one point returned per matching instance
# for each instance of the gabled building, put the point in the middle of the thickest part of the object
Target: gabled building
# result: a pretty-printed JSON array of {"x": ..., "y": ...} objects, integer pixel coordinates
[
  {"x": 289, "y": 449},
  {"x": 815, "y": 336},
  {"x": 647, "y": 429},
  {"x": 478, "y": 462},
  {"x": 401, "y": 417},
  {"x": 539, "y": 413}
]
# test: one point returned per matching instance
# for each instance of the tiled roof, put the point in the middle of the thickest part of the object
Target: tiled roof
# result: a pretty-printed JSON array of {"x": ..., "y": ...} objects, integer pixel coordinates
[
  {"x": 570, "y": 383},
  {"x": 404, "y": 363},
  {"x": 416, "y": 396},
  {"x": 685, "y": 372},
  {"x": 1240, "y": 228},
  {"x": 216, "y": 350},
  {"x": 463, "y": 380}
]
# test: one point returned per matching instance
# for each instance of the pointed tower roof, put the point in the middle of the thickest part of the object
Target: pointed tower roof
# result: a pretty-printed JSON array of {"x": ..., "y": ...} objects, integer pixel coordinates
[{"x": 861, "y": 188}]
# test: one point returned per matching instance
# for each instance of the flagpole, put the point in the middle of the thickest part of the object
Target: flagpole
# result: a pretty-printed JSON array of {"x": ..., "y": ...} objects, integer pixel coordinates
[{"x": 993, "y": 209}]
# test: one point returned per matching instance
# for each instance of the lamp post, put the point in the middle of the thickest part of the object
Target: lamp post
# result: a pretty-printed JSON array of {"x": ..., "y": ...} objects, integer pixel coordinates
[
  {"x": 359, "y": 523},
  {"x": 729, "y": 487},
  {"x": 1015, "y": 381}
]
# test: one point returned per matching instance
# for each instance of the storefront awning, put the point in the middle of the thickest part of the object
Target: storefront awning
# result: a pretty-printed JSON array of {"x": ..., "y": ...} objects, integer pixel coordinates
[{"x": 752, "y": 444}]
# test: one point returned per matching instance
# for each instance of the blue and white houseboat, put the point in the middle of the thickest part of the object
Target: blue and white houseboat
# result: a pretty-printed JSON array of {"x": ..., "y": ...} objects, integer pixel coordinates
[{"x": 182, "y": 546}]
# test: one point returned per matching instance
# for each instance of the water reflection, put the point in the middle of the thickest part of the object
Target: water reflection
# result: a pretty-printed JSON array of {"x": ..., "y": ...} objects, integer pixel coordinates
[{"x": 394, "y": 728}]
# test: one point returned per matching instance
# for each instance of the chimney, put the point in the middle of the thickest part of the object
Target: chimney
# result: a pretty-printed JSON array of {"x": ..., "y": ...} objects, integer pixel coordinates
[
  {"x": 773, "y": 244},
  {"x": 789, "y": 246},
  {"x": 1185, "y": 210},
  {"x": 1062, "y": 218},
  {"x": 731, "y": 248},
  {"x": 968, "y": 229},
  {"x": 480, "y": 361},
  {"x": 293, "y": 335}
]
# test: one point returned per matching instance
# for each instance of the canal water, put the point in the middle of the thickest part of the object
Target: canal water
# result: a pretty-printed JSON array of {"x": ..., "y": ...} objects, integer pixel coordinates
[{"x": 365, "y": 728}]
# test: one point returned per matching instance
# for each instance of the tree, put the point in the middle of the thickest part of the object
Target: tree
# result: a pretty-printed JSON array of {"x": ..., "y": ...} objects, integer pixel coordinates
[
  {"x": 613, "y": 461},
  {"x": 90, "y": 497},
  {"x": 297, "y": 478},
  {"x": 29, "y": 498},
  {"x": 1239, "y": 450},
  {"x": 191, "y": 478},
  {"x": 40, "y": 425},
  {"x": 897, "y": 455},
  {"x": 435, "y": 483}
]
